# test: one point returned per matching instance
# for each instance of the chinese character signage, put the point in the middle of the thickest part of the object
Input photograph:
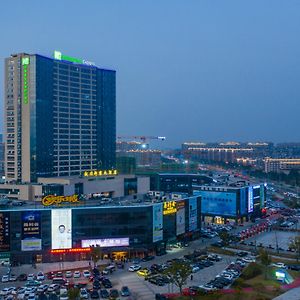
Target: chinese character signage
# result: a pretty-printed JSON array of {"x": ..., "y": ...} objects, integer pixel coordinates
[
  {"x": 31, "y": 231},
  {"x": 56, "y": 200},
  {"x": 4, "y": 232},
  {"x": 170, "y": 208},
  {"x": 113, "y": 242},
  {"x": 97, "y": 173}
]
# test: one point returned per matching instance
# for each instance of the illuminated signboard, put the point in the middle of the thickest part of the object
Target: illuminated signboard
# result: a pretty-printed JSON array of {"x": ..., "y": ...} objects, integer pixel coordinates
[
  {"x": 170, "y": 208},
  {"x": 72, "y": 250},
  {"x": 59, "y": 56},
  {"x": 61, "y": 228},
  {"x": 56, "y": 200},
  {"x": 103, "y": 243},
  {"x": 31, "y": 231},
  {"x": 25, "y": 63},
  {"x": 250, "y": 199},
  {"x": 96, "y": 173},
  {"x": 4, "y": 232},
  {"x": 180, "y": 217}
]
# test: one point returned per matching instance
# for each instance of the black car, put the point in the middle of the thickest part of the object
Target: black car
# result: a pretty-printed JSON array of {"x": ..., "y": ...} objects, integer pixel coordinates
[
  {"x": 242, "y": 253},
  {"x": 22, "y": 277},
  {"x": 113, "y": 294},
  {"x": 96, "y": 272},
  {"x": 107, "y": 283},
  {"x": 147, "y": 258},
  {"x": 104, "y": 294},
  {"x": 294, "y": 267},
  {"x": 94, "y": 294},
  {"x": 96, "y": 285},
  {"x": 125, "y": 291},
  {"x": 157, "y": 281},
  {"x": 160, "y": 297}
]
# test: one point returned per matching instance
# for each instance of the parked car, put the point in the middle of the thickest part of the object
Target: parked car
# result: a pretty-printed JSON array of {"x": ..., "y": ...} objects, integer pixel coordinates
[
  {"x": 86, "y": 273},
  {"x": 84, "y": 293},
  {"x": 107, "y": 283},
  {"x": 134, "y": 268},
  {"x": 77, "y": 274},
  {"x": 40, "y": 276},
  {"x": 148, "y": 258},
  {"x": 22, "y": 277},
  {"x": 279, "y": 265},
  {"x": 94, "y": 294},
  {"x": 143, "y": 272},
  {"x": 104, "y": 294},
  {"x": 31, "y": 277},
  {"x": 113, "y": 294},
  {"x": 125, "y": 292}
]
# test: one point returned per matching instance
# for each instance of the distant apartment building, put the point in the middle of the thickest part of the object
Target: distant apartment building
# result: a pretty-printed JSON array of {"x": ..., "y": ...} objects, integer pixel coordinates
[
  {"x": 281, "y": 164},
  {"x": 60, "y": 117},
  {"x": 123, "y": 146}
]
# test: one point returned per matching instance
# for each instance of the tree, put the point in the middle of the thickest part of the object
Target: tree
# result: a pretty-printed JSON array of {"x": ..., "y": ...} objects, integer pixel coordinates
[
  {"x": 96, "y": 254},
  {"x": 295, "y": 245},
  {"x": 73, "y": 293},
  {"x": 265, "y": 260},
  {"x": 178, "y": 273},
  {"x": 225, "y": 237}
]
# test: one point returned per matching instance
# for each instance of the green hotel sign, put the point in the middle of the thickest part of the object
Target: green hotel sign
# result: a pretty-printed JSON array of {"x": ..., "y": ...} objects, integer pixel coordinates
[
  {"x": 59, "y": 56},
  {"x": 25, "y": 64}
]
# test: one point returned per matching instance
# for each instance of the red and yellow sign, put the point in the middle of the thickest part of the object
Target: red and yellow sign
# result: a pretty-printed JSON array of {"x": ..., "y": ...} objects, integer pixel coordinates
[
  {"x": 170, "y": 208},
  {"x": 56, "y": 200}
]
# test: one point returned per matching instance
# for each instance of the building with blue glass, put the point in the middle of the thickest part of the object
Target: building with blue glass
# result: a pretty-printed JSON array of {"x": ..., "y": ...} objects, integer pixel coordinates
[{"x": 60, "y": 117}]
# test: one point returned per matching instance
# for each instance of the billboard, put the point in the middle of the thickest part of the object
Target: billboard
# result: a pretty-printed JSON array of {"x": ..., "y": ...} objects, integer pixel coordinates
[
  {"x": 61, "y": 228},
  {"x": 4, "y": 232},
  {"x": 31, "y": 231},
  {"x": 250, "y": 199},
  {"x": 157, "y": 222},
  {"x": 218, "y": 203},
  {"x": 112, "y": 242},
  {"x": 262, "y": 196},
  {"x": 180, "y": 217},
  {"x": 193, "y": 214},
  {"x": 243, "y": 201}
]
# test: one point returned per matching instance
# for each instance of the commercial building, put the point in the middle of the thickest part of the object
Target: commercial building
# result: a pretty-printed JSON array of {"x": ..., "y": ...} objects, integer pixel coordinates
[
  {"x": 281, "y": 164},
  {"x": 220, "y": 204},
  {"x": 107, "y": 185},
  {"x": 60, "y": 117},
  {"x": 64, "y": 228}
]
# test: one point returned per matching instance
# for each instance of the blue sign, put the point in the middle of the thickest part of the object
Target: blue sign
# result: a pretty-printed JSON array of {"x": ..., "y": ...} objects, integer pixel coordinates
[
  {"x": 157, "y": 222},
  {"x": 250, "y": 199}
]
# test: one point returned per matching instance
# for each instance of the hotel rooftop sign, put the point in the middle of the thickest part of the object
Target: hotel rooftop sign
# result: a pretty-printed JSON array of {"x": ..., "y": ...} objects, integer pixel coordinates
[{"x": 59, "y": 56}]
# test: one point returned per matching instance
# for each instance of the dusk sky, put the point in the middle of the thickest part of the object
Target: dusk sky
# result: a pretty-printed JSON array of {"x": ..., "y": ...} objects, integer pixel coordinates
[{"x": 188, "y": 70}]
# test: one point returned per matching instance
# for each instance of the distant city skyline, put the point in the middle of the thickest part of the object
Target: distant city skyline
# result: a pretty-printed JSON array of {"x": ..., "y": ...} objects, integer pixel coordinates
[{"x": 202, "y": 71}]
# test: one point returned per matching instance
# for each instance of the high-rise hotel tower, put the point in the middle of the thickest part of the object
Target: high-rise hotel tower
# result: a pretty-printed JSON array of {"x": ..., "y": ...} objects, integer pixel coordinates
[{"x": 60, "y": 117}]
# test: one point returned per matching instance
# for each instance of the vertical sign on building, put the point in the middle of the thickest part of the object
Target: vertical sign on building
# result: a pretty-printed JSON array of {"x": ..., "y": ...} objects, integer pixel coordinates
[
  {"x": 262, "y": 196},
  {"x": 180, "y": 217},
  {"x": 4, "y": 232},
  {"x": 250, "y": 199},
  {"x": 31, "y": 231},
  {"x": 157, "y": 222},
  {"x": 192, "y": 213},
  {"x": 25, "y": 64},
  {"x": 61, "y": 228}
]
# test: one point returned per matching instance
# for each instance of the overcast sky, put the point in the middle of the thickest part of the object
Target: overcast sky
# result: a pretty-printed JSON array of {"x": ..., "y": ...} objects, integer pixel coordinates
[{"x": 188, "y": 70}]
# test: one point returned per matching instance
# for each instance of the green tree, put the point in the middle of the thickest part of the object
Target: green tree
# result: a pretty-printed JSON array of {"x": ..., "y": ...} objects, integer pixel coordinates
[
  {"x": 265, "y": 260},
  {"x": 295, "y": 245},
  {"x": 73, "y": 293},
  {"x": 96, "y": 254},
  {"x": 225, "y": 237},
  {"x": 178, "y": 273}
]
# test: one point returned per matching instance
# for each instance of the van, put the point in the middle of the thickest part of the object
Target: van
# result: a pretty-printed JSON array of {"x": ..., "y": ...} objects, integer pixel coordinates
[{"x": 109, "y": 270}]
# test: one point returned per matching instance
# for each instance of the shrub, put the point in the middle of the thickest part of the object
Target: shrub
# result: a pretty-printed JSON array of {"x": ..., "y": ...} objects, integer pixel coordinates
[{"x": 251, "y": 271}]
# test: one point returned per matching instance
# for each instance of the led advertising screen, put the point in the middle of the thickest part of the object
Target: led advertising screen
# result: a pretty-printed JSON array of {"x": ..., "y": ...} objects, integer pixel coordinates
[
  {"x": 157, "y": 222},
  {"x": 243, "y": 201},
  {"x": 4, "y": 232},
  {"x": 218, "y": 203},
  {"x": 180, "y": 217},
  {"x": 250, "y": 199},
  {"x": 112, "y": 242},
  {"x": 262, "y": 196},
  {"x": 61, "y": 228},
  {"x": 193, "y": 214},
  {"x": 31, "y": 231}
]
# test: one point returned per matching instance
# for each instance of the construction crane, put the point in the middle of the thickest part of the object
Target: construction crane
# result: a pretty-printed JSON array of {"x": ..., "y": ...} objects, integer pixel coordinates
[{"x": 143, "y": 138}]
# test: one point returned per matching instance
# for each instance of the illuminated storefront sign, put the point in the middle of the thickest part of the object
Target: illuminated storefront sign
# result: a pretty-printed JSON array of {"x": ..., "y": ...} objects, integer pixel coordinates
[
  {"x": 4, "y": 232},
  {"x": 25, "y": 63},
  {"x": 250, "y": 199},
  {"x": 96, "y": 173},
  {"x": 103, "y": 243},
  {"x": 59, "y": 56},
  {"x": 31, "y": 231},
  {"x": 61, "y": 228},
  {"x": 72, "y": 250},
  {"x": 170, "y": 208},
  {"x": 56, "y": 200}
]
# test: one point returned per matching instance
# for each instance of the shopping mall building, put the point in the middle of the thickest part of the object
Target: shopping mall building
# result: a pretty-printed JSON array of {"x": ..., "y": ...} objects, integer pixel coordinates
[{"x": 63, "y": 228}]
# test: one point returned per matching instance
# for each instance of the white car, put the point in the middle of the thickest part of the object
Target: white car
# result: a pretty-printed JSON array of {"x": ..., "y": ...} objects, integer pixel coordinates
[
  {"x": 69, "y": 274},
  {"x": 6, "y": 291},
  {"x": 84, "y": 294},
  {"x": 31, "y": 297},
  {"x": 249, "y": 259},
  {"x": 195, "y": 269},
  {"x": 53, "y": 287},
  {"x": 207, "y": 287},
  {"x": 30, "y": 277},
  {"x": 86, "y": 274},
  {"x": 40, "y": 276},
  {"x": 43, "y": 288},
  {"x": 77, "y": 274},
  {"x": 279, "y": 265},
  {"x": 5, "y": 278},
  {"x": 134, "y": 268},
  {"x": 64, "y": 296}
]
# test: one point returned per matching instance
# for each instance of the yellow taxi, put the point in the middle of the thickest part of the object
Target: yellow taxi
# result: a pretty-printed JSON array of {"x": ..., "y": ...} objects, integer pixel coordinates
[{"x": 143, "y": 272}]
